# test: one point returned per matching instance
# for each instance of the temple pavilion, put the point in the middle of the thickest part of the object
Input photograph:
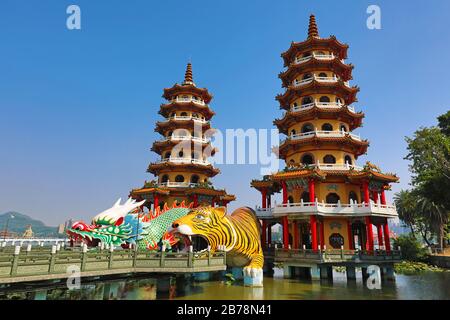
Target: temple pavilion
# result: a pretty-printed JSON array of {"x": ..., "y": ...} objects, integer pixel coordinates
[
  {"x": 183, "y": 172},
  {"x": 329, "y": 201}
]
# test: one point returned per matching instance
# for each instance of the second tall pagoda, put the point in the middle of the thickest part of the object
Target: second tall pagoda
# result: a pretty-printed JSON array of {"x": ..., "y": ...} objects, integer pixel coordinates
[{"x": 327, "y": 199}]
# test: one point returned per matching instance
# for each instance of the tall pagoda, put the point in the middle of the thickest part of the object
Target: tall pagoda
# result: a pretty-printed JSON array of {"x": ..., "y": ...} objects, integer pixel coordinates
[
  {"x": 183, "y": 173},
  {"x": 328, "y": 200}
]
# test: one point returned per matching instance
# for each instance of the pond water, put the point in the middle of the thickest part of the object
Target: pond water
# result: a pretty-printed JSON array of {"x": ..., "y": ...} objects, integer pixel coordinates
[{"x": 426, "y": 286}]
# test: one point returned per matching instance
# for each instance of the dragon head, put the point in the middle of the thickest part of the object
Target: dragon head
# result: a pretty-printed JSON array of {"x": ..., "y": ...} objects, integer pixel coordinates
[{"x": 113, "y": 226}]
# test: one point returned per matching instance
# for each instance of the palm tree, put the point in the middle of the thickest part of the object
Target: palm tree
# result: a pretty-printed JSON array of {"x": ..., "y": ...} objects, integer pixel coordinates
[
  {"x": 436, "y": 215},
  {"x": 405, "y": 201}
]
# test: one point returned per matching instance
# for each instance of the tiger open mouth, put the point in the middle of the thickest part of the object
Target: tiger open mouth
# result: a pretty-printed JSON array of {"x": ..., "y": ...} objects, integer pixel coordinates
[{"x": 199, "y": 243}]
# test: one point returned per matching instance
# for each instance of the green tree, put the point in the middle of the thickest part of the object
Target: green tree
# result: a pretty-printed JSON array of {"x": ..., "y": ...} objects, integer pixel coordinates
[
  {"x": 429, "y": 153},
  {"x": 411, "y": 213},
  {"x": 406, "y": 208},
  {"x": 444, "y": 123},
  {"x": 437, "y": 217},
  {"x": 412, "y": 249}
]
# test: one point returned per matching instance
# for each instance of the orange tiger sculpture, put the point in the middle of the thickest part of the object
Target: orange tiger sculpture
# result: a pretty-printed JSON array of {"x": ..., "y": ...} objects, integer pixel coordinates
[{"x": 239, "y": 233}]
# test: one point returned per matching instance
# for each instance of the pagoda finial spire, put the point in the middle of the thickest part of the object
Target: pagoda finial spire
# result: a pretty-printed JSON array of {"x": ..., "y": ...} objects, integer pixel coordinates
[
  {"x": 313, "y": 31},
  {"x": 188, "y": 79}
]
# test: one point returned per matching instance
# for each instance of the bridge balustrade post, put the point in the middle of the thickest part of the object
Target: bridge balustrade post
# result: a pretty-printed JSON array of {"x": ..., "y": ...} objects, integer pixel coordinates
[
  {"x": 135, "y": 254},
  {"x": 163, "y": 256},
  {"x": 209, "y": 256},
  {"x": 191, "y": 257},
  {"x": 83, "y": 258},
  {"x": 28, "y": 248},
  {"x": 15, "y": 262},
  {"x": 342, "y": 252},
  {"x": 111, "y": 257},
  {"x": 51, "y": 266}
]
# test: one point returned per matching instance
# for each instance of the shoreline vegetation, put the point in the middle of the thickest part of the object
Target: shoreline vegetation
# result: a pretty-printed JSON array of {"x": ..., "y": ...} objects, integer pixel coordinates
[{"x": 413, "y": 268}]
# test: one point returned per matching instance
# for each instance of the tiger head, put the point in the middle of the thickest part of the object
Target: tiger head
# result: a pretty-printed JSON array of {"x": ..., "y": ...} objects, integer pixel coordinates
[{"x": 203, "y": 223}]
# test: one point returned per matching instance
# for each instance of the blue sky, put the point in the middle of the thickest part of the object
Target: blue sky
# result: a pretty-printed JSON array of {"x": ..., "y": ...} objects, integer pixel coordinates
[{"x": 77, "y": 108}]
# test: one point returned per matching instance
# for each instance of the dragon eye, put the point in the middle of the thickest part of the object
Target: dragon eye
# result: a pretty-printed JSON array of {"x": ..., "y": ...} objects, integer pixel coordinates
[{"x": 199, "y": 216}]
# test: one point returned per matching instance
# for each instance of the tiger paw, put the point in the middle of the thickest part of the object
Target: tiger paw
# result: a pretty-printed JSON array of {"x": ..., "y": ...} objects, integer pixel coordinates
[{"x": 253, "y": 276}]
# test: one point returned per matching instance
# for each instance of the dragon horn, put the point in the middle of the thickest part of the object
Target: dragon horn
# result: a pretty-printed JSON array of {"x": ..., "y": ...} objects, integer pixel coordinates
[{"x": 117, "y": 202}]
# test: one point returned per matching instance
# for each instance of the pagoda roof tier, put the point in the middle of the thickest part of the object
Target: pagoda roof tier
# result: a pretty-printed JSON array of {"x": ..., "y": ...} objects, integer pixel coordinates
[
  {"x": 313, "y": 171},
  {"x": 179, "y": 123},
  {"x": 315, "y": 86},
  {"x": 344, "y": 113},
  {"x": 183, "y": 191},
  {"x": 206, "y": 191},
  {"x": 314, "y": 64},
  {"x": 324, "y": 140},
  {"x": 315, "y": 43},
  {"x": 184, "y": 165},
  {"x": 167, "y": 144},
  {"x": 191, "y": 105},
  {"x": 269, "y": 185},
  {"x": 189, "y": 89},
  {"x": 152, "y": 190}
]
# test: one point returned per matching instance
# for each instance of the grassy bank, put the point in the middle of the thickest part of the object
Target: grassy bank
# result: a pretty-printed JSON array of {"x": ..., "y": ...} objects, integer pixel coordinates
[{"x": 411, "y": 267}]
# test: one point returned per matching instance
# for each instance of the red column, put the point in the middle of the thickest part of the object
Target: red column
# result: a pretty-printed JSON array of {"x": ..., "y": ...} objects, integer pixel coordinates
[
  {"x": 295, "y": 226},
  {"x": 369, "y": 234},
  {"x": 365, "y": 186},
  {"x": 322, "y": 235},
  {"x": 269, "y": 234},
  {"x": 195, "y": 200},
  {"x": 264, "y": 198},
  {"x": 312, "y": 191},
  {"x": 313, "y": 222},
  {"x": 382, "y": 197},
  {"x": 155, "y": 201},
  {"x": 380, "y": 236},
  {"x": 375, "y": 196},
  {"x": 263, "y": 233},
  {"x": 350, "y": 236},
  {"x": 285, "y": 232},
  {"x": 285, "y": 195},
  {"x": 387, "y": 240}
]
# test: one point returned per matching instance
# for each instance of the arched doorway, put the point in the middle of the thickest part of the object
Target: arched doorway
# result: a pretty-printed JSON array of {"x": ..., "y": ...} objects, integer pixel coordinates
[
  {"x": 330, "y": 159},
  {"x": 332, "y": 198},
  {"x": 305, "y": 196},
  {"x": 352, "y": 197}
]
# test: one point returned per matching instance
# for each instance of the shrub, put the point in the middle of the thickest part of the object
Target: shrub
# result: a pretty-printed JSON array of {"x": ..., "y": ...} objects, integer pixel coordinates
[{"x": 411, "y": 248}]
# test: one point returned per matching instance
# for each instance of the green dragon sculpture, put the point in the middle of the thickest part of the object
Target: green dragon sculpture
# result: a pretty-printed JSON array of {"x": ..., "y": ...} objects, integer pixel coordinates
[{"x": 125, "y": 225}]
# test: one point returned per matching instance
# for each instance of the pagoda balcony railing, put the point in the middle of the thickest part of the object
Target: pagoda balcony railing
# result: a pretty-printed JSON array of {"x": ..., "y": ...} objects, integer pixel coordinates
[
  {"x": 171, "y": 184},
  {"x": 303, "y": 82},
  {"x": 323, "y": 134},
  {"x": 316, "y": 56},
  {"x": 185, "y": 160},
  {"x": 321, "y": 105},
  {"x": 336, "y": 167},
  {"x": 187, "y": 118},
  {"x": 186, "y": 138},
  {"x": 186, "y": 100},
  {"x": 308, "y": 208}
]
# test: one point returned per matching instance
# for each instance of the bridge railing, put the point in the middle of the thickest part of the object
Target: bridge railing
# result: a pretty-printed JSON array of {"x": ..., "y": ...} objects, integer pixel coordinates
[
  {"x": 337, "y": 255},
  {"x": 48, "y": 262}
]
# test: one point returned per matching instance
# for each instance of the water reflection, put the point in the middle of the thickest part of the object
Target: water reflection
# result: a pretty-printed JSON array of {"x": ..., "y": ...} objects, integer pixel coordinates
[{"x": 425, "y": 286}]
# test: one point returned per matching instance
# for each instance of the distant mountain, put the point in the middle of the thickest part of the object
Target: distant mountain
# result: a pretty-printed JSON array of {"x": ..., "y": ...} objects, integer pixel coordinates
[{"x": 19, "y": 223}]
